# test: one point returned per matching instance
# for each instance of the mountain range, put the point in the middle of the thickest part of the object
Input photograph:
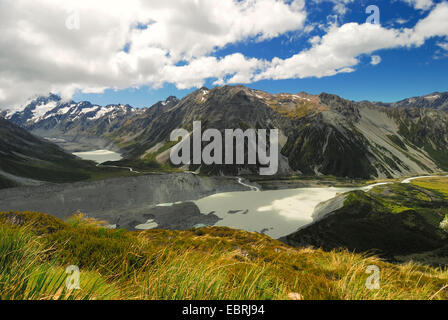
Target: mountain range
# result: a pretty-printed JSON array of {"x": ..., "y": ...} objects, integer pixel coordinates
[
  {"x": 319, "y": 134},
  {"x": 81, "y": 125}
]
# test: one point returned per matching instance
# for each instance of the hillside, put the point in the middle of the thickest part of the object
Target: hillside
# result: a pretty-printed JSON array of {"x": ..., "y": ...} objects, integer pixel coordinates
[
  {"x": 436, "y": 100},
  {"x": 26, "y": 156},
  {"x": 201, "y": 264},
  {"x": 399, "y": 221},
  {"x": 26, "y": 159}
]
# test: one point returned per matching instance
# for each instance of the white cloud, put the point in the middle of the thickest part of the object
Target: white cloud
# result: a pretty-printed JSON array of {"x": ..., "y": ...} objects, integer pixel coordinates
[
  {"x": 339, "y": 6},
  {"x": 239, "y": 68},
  {"x": 443, "y": 45},
  {"x": 40, "y": 54},
  {"x": 420, "y": 4},
  {"x": 375, "y": 60},
  {"x": 401, "y": 21},
  {"x": 339, "y": 49}
]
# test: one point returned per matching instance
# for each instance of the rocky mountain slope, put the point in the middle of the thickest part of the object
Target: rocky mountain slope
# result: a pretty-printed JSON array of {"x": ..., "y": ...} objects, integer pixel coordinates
[
  {"x": 319, "y": 134},
  {"x": 436, "y": 100},
  {"x": 322, "y": 134},
  {"x": 27, "y": 159}
]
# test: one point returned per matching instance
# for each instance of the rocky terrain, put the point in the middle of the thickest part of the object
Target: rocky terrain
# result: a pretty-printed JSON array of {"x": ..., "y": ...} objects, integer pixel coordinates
[
  {"x": 124, "y": 202},
  {"x": 436, "y": 100},
  {"x": 319, "y": 134}
]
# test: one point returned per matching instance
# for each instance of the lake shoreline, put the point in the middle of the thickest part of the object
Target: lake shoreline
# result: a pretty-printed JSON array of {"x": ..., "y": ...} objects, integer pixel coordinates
[{"x": 99, "y": 156}]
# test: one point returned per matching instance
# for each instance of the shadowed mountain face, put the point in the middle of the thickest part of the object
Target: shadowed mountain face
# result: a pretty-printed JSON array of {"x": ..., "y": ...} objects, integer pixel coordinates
[
  {"x": 27, "y": 159},
  {"x": 319, "y": 134},
  {"x": 322, "y": 134}
]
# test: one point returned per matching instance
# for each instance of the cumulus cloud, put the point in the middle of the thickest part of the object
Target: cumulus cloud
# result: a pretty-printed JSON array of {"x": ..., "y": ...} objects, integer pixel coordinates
[
  {"x": 134, "y": 43},
  {"x": 339, "y": 50},
  {"x": 42, "y": 50}
]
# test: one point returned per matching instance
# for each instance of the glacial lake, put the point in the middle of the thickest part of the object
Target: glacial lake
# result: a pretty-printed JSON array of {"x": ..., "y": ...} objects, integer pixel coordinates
[
  {"x": 99, "y": 156},
  {"x": 275, "y": 213}
]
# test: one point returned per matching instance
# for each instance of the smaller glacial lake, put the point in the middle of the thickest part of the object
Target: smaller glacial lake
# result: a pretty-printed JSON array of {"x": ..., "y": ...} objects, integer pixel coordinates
[{"x": 99, "y": 156}]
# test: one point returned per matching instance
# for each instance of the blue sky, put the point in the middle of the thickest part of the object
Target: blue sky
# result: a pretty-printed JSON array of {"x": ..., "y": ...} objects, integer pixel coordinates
[
  {"x": 402, "y": 72},
  {"x": 141, "y": 52}
]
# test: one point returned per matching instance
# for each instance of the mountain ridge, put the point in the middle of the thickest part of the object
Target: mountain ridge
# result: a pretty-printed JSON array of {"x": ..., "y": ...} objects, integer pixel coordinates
[
  {"x": 319, "y": 134},
  {"x": 322, "y": 134}
]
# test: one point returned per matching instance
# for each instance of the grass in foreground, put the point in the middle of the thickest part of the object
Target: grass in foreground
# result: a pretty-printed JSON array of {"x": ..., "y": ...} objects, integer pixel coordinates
[{"x": 207, "y": 263}]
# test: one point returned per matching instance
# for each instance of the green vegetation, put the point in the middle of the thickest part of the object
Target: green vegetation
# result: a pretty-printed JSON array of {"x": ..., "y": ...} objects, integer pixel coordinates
[
  {"x": 294, "y": 111},
  {"x": 148, "y": 162},
  {"x": 395, "y": 220},
  {"x": 426, "y": 136},
  {"x": 206, "y": 263},
  {"x": 439, "y": 155},
  {"x": 437, "y": 184},
  {"x": 300, "y": 181},
  {"x": 165, "y": 147},
  {"x": 343, "y": 156},
  {"x": 64, "y": 172},
  {"x": 67, "y": 170}
]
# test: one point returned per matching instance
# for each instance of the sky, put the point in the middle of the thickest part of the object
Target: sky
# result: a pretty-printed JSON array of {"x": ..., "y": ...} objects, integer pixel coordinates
[{"x": 140, "y": 52}]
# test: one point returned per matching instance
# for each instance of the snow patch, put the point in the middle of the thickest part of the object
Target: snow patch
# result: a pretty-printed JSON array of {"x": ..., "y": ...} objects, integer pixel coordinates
[
  {"x": 87, "y": 110},
  {"x": 40, "y": 110},
  {"x": 101, "y": 112}
]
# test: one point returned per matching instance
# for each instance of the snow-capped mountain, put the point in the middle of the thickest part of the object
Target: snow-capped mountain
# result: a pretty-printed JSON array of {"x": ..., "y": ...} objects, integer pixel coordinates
[
  {"x": 42, "y": 109},
  {"x": 83, "y": 124}
]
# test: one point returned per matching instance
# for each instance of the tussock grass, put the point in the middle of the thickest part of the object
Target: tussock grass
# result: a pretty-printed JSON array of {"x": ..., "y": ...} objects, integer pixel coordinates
[
  {"x": 207, "y": 263},
  {"x": 437, "y": 184},
  {"x": 24, "y": 274}
]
